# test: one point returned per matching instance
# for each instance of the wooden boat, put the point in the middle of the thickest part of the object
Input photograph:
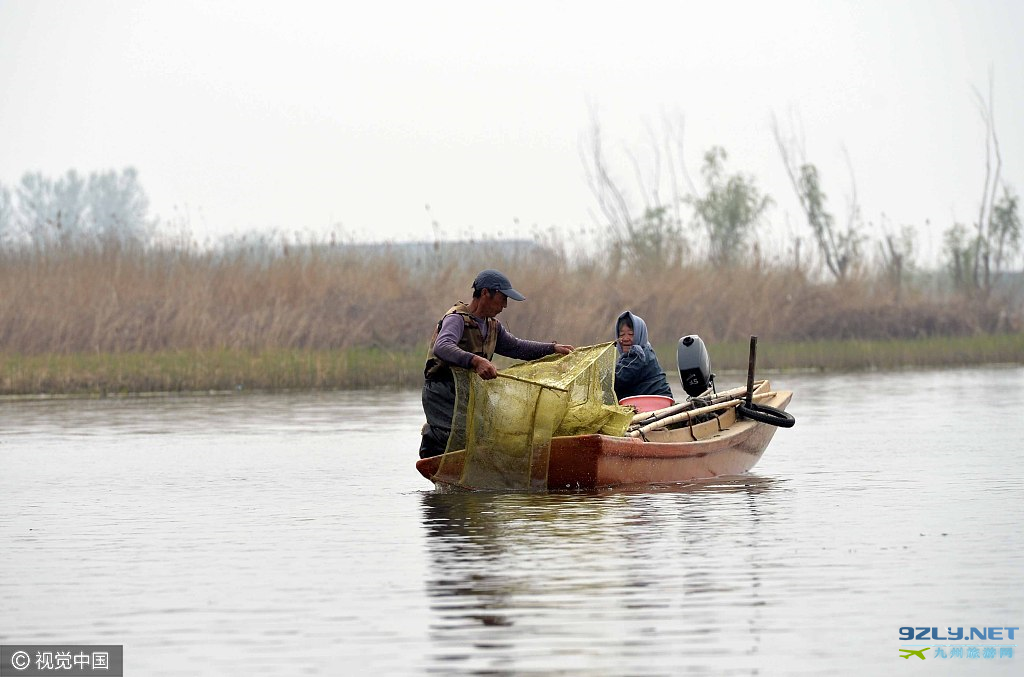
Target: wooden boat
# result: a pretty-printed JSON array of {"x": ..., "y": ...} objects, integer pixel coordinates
[{"x": 677, "y": 444}]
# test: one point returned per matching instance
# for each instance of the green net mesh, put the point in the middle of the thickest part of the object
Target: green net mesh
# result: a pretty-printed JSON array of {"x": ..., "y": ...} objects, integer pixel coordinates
[{"x": 506, "y": 424}]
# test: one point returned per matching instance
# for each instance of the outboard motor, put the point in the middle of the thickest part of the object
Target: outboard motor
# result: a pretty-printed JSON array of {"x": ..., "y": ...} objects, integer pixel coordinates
[{"x": 694, "y": 365}]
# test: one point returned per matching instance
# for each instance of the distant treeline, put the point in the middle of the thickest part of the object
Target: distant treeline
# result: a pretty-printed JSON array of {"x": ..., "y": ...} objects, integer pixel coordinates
[
  {"x": 85, "y": 271},
  {"x": 42, "y": 211}
]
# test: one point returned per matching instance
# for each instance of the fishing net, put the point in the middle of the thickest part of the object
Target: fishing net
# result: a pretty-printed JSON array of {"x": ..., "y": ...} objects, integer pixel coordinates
[{"x": 506, "y": 424}]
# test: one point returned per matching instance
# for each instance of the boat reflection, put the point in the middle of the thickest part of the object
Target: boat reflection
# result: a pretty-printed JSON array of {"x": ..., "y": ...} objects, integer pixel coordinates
[{"x": 601, "y": 574}]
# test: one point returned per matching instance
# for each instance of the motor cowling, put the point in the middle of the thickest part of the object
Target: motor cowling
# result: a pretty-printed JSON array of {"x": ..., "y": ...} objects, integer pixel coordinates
[{"x": 694, "y": 365}]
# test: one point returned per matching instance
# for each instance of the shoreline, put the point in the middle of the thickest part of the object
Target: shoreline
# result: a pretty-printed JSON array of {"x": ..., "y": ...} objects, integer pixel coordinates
[{"x": 222, "y": 373}]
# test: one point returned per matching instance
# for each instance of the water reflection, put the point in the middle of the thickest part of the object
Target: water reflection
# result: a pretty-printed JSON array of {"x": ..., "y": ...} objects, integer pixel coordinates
[{"x": 511, "y": 573}]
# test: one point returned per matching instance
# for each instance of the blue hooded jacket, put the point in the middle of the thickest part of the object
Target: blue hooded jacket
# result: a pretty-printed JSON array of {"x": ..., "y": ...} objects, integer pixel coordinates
[{"x": 638, "y": 371}]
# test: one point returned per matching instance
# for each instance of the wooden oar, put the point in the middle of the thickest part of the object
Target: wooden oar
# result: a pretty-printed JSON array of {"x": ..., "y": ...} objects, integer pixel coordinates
[
  {"x": 687, "y": 415},
  {"x": 652, "y": 416},
  {"x": 649, "y": 416}
]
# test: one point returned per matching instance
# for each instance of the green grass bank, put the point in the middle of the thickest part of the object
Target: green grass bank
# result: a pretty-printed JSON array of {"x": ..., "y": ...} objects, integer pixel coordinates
[{"x": 198, "y": 371}]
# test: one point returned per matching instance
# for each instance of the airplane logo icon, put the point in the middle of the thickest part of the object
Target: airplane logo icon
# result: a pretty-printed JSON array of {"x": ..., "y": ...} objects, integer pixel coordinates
[{"x": 910, "y": 652}]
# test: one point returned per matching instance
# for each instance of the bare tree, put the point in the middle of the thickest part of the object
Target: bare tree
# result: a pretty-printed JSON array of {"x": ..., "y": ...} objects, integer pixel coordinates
[
  {"x": 644, "y": 226},
  {"x": 610, "y": 197},
  {"x": 896, "y": 251},
  {"x": 841, "y": 249},
  {"x": 997, "y": 232},
  {"x": 981, "y": 266}
]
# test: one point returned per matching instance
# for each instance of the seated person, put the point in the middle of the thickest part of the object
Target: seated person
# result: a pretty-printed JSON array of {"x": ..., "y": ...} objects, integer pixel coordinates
[{"x": 637, "y": 371}]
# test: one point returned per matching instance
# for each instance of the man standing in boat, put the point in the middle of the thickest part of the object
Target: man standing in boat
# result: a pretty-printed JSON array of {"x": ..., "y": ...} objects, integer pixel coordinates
[{"x": 468, "y": 336}]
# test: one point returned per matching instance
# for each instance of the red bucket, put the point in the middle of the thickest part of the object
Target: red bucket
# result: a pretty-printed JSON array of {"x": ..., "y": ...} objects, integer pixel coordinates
[{"x": 644, "y": 403}]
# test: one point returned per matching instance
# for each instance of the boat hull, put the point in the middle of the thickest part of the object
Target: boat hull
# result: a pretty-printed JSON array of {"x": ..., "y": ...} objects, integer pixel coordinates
[{"x": 727, "y": 445}]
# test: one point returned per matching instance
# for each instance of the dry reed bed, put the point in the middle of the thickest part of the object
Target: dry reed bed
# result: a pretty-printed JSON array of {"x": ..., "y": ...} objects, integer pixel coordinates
[
  {"x": 112, "y": 319},
  {"x": 114, "y": 299},
  {"x": 120, "y": 300}
]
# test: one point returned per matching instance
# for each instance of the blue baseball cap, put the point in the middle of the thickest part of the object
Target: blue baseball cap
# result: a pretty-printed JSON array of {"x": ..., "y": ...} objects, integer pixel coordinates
[{"x": 492, "y": 279}]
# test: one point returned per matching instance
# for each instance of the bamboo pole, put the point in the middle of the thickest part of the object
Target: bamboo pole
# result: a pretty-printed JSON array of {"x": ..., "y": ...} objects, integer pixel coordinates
[
  {"x": 687, "y": 415},
  {"x": 651, "y": 416},
  {"x": 533, "y": 383}
]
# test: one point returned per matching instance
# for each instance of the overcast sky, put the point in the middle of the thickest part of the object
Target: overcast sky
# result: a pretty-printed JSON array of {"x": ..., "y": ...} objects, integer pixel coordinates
[{"x": 295, "y": 116}]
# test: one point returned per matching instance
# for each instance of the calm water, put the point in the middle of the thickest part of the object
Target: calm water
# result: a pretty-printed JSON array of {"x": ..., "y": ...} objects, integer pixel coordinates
[{"x": 290, "y": 534}]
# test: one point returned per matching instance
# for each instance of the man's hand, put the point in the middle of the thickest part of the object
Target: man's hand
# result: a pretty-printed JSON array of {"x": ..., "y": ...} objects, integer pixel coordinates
[
  {"x": 563, "y": 349},
  {"x": 484, "y": 368}
]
